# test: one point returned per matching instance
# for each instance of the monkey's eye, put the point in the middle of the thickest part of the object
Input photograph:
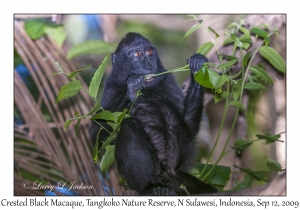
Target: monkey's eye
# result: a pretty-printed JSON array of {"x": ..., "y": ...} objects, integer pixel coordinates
[
  {"x": 149, "y": 52},
  {"x": 137, "y": 54}
]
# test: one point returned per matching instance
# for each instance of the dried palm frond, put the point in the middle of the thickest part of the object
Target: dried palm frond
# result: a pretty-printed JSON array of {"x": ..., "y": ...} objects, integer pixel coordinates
[{"x": 43, "y": 150}]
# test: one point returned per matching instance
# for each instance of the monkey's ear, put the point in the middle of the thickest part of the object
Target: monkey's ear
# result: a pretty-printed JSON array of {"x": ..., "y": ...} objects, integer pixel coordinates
[{"x": 113, "y": 58}]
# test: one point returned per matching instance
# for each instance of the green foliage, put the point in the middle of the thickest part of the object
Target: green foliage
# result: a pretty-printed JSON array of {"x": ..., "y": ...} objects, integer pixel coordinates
[
  {"x": 219, "y": 175},
  {"x": 273, "y": 57},
  {"x": 240, "y": 145},
  {"x": 273, "y": 165},
  {"x": 259, "y": 32},
  {"x": 260, "y": 72},
  {"x": 58, "y": 34},
  {"x": 193, "y": 29},
  {"x": 238, "y": 105},
  {"x": 213, "y": 31},
  {"x": 91, "y": 47},
  {"x": 114, "y": 120},
  {"x": 254, "y": 86},
  {"x": 69, "y": 90},
  {"x": 227, "y": 64},
  {"x": 269, "y": 137},
  {"x": 96, "y": 80},
  {"x": 108, "y": 158},
  {"x": 36, "y": 28},
  {"x": 205, "y": 48},
  {"x": 258, "y": 175}
]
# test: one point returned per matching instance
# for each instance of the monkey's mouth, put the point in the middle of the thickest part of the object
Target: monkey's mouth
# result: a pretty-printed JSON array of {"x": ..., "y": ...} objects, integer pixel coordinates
[{"x": 148, "y": 78}]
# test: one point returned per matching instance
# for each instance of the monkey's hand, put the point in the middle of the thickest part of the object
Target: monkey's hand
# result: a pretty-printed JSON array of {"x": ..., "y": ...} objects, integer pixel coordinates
[
  {"x": 196, "y": 62},
  {"x": 134, "y": 83}
]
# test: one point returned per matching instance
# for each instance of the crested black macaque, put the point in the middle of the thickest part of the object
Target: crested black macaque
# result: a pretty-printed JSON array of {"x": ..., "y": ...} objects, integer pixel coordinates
[{"x": 155, "y": 147}]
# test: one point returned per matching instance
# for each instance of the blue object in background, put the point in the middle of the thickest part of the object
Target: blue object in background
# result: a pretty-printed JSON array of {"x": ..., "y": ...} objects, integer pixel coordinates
[{"x": 62, "y": 191}]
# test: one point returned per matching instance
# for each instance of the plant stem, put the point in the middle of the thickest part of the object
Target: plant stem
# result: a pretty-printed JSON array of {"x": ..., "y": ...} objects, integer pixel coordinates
[
  {"x": 219, "y": 133},
  {"x": 184, "y": 68},
  {"x": 235, "y": 117}
]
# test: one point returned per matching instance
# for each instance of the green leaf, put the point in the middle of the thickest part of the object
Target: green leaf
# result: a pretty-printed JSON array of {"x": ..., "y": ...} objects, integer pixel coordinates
[
  {"x": 108, "y": 158},
  {"x": 254, "y": 86},
  {"x": 221, "y": 81},
  {"x": 236, "y": 91},
  {"x": 233, "y": 36},
  {"x": 240, "y": 145},
  {"x": 69, "y": 90},
  {"x": 57, "y": 34},
  {"x": 259, "y": 32},
  {"x": 238, "y": 105},
  {"x": 245, "y": 39},
  {"x": 202, "y": 77},
  {"x": 67, "y": 123},
  {"x": 91, "y": 47},
  {"x": 273, "y": 57},
  {"x": 246, "y": 57},
  {"x": 227, "y": 41},
  {"x": 245, "y": 45},
  {"x": 219, "y": 175},
  {"x": 235, "y": 75},
  {"x": 35, "y": 29},
  {"x": 227, "y": 64},
  {"x": 269, "y": 137},
  {"x": 96, "y": 80},
  {"x": 245, "y": 184},
  {"x": 104, "y": 115},
  {"x": 233, "y": 24},
  {"x": 192, "y": 29},
  {"x": 77, "y": 128},
  {"x": 260, "y": 72},
  {"x": 244, "y": 31},
  {"x": 96, "y": 146},
  {"x": 75, "y": 73},
  {"x": 273, "y": 165},
  {"x": 205, "y": 48},
  {"x": 212, "y": 30},
  {"x": 214, "y": 78},
  {"x": 258, "y": 175}
]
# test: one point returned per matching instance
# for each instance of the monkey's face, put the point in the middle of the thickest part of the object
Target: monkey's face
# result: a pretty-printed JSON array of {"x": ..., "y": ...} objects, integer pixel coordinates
[
  {"x": 135, "y": 55},
  {"x": 143, "y": 60}
]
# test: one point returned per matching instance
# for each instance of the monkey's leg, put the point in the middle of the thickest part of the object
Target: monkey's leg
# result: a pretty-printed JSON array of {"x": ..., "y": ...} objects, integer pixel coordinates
[{"x": 135, "y": 157}]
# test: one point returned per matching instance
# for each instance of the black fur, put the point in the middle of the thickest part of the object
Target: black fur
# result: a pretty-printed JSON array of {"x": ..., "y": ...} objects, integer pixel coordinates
[{"x": 155, "y": 147}]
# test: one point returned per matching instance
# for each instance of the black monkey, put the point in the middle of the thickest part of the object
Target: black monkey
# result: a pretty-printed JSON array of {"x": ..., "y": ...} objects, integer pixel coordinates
[{"x": 155, "y": 147}]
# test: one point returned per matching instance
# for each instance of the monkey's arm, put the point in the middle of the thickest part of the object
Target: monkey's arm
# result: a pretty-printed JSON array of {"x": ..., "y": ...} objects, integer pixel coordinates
[
  {"x": 193, "y": 104},
  {"x": 116, "y": 98}
]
